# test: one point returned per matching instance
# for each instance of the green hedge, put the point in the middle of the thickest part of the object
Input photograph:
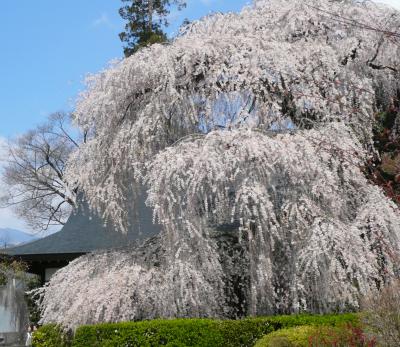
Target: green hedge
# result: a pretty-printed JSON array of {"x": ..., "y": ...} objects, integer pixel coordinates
[
  {"x": 192, "y": 332},
  {"x": 181, "y": 332}
]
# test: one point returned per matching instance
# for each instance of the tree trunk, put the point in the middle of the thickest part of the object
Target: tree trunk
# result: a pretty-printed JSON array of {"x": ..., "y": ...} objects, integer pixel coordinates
[{"x": 150, "y": 16}]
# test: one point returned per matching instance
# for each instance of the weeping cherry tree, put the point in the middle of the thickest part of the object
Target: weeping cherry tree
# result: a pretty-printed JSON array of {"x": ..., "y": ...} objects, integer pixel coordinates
[{"x": 250, "y": 133}]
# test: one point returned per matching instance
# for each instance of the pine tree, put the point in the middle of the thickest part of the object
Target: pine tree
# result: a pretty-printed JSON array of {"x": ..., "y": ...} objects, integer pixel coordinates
[{"x": 146, "y": 20}]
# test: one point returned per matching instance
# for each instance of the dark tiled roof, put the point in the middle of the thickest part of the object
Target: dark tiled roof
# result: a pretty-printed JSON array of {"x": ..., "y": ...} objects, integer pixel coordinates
[{"x": 85, "y": 232}]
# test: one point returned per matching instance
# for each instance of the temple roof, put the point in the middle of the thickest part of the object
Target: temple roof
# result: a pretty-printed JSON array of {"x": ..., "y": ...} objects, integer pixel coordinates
[{"x": 85, "y": 232}]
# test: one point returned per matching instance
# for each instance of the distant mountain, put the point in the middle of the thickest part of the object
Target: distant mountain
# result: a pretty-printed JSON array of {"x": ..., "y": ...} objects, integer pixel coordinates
[{"x": 13, "y": 237}]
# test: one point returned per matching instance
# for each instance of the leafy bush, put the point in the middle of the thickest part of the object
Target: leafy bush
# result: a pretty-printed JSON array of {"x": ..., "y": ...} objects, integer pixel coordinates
[
  {"x": 183, "y": 332},
  {"x": 307, "y": 335},
  {"x": 296, "y": 336},
  {"x": 341, "y": 336},
  {"x": 50, "y": 336}
]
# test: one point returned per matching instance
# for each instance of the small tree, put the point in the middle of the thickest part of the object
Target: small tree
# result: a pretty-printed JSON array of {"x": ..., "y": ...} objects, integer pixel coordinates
[
  {"x": 33, "y": 174},
  {"x": 146, "y": 20},
  {"x": 382, "y": 314}
]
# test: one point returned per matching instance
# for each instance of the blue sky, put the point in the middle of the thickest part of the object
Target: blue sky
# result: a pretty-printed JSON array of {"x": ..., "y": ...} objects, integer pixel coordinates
[{"x": 47, "y": 47}]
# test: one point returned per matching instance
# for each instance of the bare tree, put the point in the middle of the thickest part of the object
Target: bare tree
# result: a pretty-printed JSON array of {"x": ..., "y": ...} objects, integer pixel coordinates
[{"x": 33, "y": 174}]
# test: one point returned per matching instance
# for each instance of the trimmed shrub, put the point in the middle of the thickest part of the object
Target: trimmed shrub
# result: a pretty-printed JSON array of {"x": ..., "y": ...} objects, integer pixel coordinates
[
  {"x": 183, "y": 332},
  {"x": 296, "y": 336},
  {"x": 313, "y": 335}
]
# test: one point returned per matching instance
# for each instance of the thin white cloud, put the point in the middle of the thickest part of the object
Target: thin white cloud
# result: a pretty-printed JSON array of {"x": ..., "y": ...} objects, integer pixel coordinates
[
  {"x": 103, "y": 21},
  {"x": 207, "y": 2}
]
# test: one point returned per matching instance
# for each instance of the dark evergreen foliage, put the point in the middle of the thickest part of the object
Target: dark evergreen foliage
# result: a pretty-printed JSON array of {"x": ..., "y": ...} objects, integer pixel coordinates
[
  {"x": 384, "y": 168},
  {"x": 146, "y": 20}
]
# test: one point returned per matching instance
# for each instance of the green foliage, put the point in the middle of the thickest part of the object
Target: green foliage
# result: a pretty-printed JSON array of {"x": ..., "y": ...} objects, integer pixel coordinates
[
  {"x": 305, "y": 319},
  {"x": 50, "y": 336},
  {"x": 145, "y": 22},
  {"x": 187, "y": 332}
]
